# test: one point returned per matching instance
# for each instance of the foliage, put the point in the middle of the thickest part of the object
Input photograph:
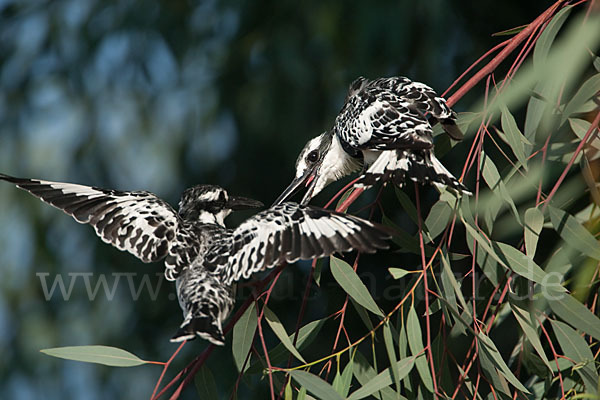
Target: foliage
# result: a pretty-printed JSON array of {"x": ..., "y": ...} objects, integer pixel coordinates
[
  {"x": 495, "y": 296},
  {"x": 488, "y": 312}
]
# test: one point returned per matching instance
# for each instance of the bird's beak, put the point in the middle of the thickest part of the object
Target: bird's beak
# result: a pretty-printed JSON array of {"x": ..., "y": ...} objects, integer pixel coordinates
[
  {"x": 243, "y": 203},
  {"x": 308, "y": 180}
]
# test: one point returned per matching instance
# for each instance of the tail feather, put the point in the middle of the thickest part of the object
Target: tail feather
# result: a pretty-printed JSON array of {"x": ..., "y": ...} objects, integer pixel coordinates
[
  {"x": 205, "y": 327},
  {"x": 399, "y": 166}
]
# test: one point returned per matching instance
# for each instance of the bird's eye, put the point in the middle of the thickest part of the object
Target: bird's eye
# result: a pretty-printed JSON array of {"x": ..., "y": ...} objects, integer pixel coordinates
[{"x": 313, "y": 156}]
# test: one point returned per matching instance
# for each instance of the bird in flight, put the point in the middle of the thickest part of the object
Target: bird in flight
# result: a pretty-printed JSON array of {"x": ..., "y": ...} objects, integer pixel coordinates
[
  {"x": 382, "y": 126},
  {"x": 202, "y": 256}
]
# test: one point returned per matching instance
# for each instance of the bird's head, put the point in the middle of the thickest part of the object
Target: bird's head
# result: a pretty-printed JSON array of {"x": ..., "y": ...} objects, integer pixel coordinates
[
  {"x": 211, "y": 204},
  {"x": 313, "y": 168}
]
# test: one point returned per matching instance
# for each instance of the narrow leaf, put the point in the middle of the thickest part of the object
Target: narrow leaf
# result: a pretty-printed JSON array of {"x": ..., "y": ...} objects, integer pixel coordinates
[
  {"x": 279, "y": 330},
  {"x": 514, "y": 137},
  {"x": 407, "y": 204},
  {"x": 351, "y": 283},
  {"x": 490, "y": 350},
  {"x": 384, "y": 379},
  {"x": 496, "y": 184},
  {"x": 365, "y": 373},
  {"x": 315, "y": 385},
  {"x": 534, "y": 220},
  {"x": 243, "y": 336},
  {"x": 524, "y": 319},
  {"x": 363, "y": 314},
  {"x": 391, "y": 351},
  {"x": 572, "y": 311},
  {"x": 588, "y": 89},
  {"x": 205, "y": 384},
  {"x": 543, "y": 44},
  {"x": 438, "y": 218},
  {"x": 509, "y": 257},
  {"x": 306, "y": 335},
  {"x": 342, "y": 381},
  {"x": 105, "y": 355},
  {"x": 398, "y": 273},
  {"x": 576, "y": 349},
  {"x": 415, "y": 342},
  {"x": 574, "y": 233}
]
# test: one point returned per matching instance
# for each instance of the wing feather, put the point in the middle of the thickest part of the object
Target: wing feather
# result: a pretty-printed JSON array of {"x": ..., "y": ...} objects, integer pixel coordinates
[
  {"x": 137, "y": 222},
  {"x": 288, "y": 232}
]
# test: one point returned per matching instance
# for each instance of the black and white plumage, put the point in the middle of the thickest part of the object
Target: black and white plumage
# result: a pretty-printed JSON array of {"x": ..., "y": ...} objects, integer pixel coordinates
[
  {"x": 384, "y": 124},
  {"x": 203, "y": 257}
]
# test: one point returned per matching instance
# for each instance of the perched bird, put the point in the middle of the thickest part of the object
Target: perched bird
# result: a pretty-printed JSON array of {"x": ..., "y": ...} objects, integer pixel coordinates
[
  {"x": 203, "y": 257},
  {"x": 382, "y": 124}
]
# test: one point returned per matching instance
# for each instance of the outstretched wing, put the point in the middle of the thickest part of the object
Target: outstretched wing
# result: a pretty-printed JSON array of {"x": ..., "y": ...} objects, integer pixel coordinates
[
  {"x": 289, "y": 232},
  {"x": 390, "y": 113},
  {"x": 138, "y": 222}
]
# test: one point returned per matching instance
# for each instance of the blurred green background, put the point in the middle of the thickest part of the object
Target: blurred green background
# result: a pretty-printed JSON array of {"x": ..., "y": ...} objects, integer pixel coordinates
[{"x": 161, "y": 95}]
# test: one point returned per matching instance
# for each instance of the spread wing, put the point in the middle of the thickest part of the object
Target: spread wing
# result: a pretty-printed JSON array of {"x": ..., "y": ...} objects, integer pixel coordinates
[
  {"x": 138, "y": 222},
  {"x": 390, "y": 113},
  {"x": 289, "y": 232}
]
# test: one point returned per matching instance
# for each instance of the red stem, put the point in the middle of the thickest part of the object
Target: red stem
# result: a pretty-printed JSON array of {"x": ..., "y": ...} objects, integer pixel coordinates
[
  {"x": 585, "y": 139},
  {"x": 426, "y": 288}
]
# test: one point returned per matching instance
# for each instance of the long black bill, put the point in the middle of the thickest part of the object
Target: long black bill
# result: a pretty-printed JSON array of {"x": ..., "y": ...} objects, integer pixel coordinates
[
  {"x": 307, "y": 180},
  {"x": 243, "y": 203}
]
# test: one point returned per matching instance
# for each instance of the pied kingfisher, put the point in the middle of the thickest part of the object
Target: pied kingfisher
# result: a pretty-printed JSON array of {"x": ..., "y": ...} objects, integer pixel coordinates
[
  {"x": 201, "y": 255},
  {"x": 383, "y": 123}
]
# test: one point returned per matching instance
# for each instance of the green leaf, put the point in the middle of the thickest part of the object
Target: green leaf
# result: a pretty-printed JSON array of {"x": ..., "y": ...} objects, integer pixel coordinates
[
  {"x": 365, "y": 373},
  {"x": 398, "y": 273},
  {"x": 302, "y": 393},
  {"x": 510, "y": 32},
  {"x": 524, "y": 319},
  {"x": 279, "y": 330},
  {"x": 534, "y": 221},
  {"x": 520, "y": 263},
  {"x": 342, "y": 381},
  {"x": 561, "y": 66},
  {"x": 588, "y": 89},
  {"x": 315, "y": 385},
  {"x": 205, "y": 384},
  {"x": 544, "y": 42},
  {"x": 318, "y": 271},
  {"x": 580, "y": 127},
  {"x": 415, "y": 342},
  {"x": 105, "y": 355},
  {"x": 538, "y": 107},
  {"x": 492, "y": 352},
  {"x": 384, "y": 379},
  {"x": 570, "y": 310},
  {"x": 363, "y": 314},
  {"x": 407, "y": 205},
  {"x": 243, "y": 336},
  {"x": 514, "y": 137},
  {"x": 388, "y": 339},
  {"x": 509, "y": 257},
  {"x": 406, "y": 242},
  {"x": 288, "y": 391},
  {"x": 448, "y": 279},
  {"x": 578, "y": 350},
  {"x": 438, "y": 218},
  {"x": 351, "y": 283},
  {"x": 574, "y": 233},
  {"x": 496, "y": 378},
  {"x": 306, "y": 335},
  {"x": 494, "y": 181}
]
